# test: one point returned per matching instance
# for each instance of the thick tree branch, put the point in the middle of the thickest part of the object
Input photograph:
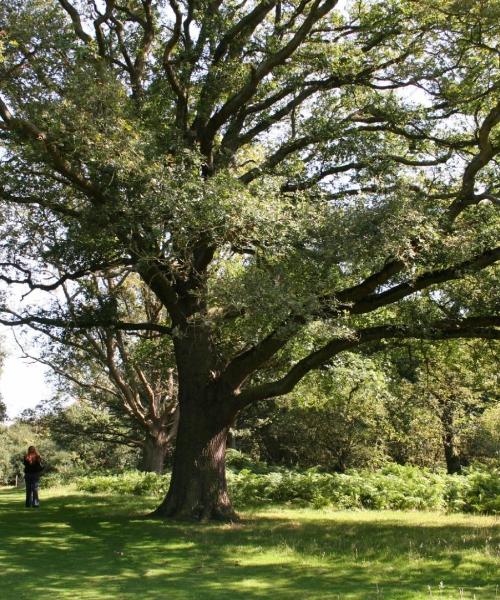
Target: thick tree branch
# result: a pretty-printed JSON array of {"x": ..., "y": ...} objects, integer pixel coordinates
[
  {"x": 144, "y": 47},
  {"x": 72, "y": 276},
  {"x": 425, "y": 280},
  {"x": 358, "y": 299},
  {"x": 371, "y": 283},
  {"x": 277, "y": 157},
  {"x": 248, "y": 361},
  {"x": 38, "y": 200},
  {"x": 234, "y": 38},
  {"x": 335, "y": 169},
  {"x": 132, "y": 402},
  {"x": 84, "y": 322},
  {"x": 76, "y": 20},
  {"x": 30, "y": 133},
  {"x": 175, "y": 84},
  {"x": 487, "y": 151},
  {"x": 258, "y": 73},
  {"x": 475, "y": 327}
]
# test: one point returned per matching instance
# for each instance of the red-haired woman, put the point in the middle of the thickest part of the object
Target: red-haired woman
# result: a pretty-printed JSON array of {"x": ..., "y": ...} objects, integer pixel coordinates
[{"x": 32, "y": 469}]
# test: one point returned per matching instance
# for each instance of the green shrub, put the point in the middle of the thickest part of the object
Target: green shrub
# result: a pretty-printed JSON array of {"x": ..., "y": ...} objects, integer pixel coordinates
[
  {"x": 237, "y": 461},
  {"x": 394, "y": 487},
  {"x": 476, "y": 492},
  {"x": 131, "y": 482}
]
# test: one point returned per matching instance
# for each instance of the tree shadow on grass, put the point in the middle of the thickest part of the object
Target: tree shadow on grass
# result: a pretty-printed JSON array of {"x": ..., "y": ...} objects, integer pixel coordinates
[{"x": 91, "y": 547}]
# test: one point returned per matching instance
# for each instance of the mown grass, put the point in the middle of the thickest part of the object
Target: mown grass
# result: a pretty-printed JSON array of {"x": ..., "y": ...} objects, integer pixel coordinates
[{"x": 101, "y": 547}]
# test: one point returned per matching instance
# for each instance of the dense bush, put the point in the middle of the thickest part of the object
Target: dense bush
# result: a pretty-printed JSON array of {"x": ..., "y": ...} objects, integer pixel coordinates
[
  {"x": 237, "y": 461},
  {"x": 131, "y": 482},
  {"x": 477, "y": 491},
  {"x": 393, "y": 487}
]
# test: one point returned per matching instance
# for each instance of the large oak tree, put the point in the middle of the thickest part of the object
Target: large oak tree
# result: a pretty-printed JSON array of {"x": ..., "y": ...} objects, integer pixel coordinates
[{"x": 291, "y": 179}]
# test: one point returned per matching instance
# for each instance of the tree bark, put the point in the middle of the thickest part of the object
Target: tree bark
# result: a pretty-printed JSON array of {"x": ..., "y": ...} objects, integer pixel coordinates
[
  {"x": 198, "y": 488},
  {"x": 153, "y": 455},
  {"x": 451, "y": 455},
  {"x": 453, "y": 462}
]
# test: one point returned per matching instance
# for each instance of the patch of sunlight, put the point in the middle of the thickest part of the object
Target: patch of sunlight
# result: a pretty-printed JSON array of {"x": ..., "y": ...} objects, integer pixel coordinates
[
  {"x": 23, "y": 539},
  {"x": 239, "y": 550},
  {"x": 271, "y": 559},
  {"x": 16, "y": 571},
  {"x": 57, "y": 549},
  {"x": 104, "y": 578},
  {"x": 161, "y": 572},
  {"x": 154, "y": 546},
  {"x": 255, "y": 584},
  {"x": 469, "y": 562},
  {"x": 180, "y": 545},
  {"x": 401, "y": 518}
]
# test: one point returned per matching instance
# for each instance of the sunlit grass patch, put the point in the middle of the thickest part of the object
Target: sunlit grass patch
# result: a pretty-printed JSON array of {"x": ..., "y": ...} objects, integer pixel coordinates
[{"x": 90, "y": 547}]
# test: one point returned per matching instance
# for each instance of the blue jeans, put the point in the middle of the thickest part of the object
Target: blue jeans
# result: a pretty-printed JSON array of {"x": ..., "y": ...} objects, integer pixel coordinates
[{"x": 32, "y": 480}]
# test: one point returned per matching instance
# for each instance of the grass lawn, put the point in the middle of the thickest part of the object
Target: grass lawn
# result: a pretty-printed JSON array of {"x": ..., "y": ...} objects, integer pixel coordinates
[{"x": 83, "y": 547}]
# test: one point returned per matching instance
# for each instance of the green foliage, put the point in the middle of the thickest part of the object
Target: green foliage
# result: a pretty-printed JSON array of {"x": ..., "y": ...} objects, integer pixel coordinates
[
  {"x": 260, "y": 172},
  {"x": 131, "y": 482},
  {"x": 483, "y": 443},
  {"x": 445, "y": 402},
  {"x": 476, "y": 492},
  {"x": 414, "y": 436},
  {"x": 14, "y": 442},
  {"x": 237, "y": 461},
  {"x": 117, "y": 162},
  {"x": 89, "y": 433},
  {"x": 337, "y": 418},
  {"x": 394, "y": 487},
  {"x": 483, "y": 492},
  {"x": 363, "y": 410},
  {"x": 3, "y": 407},
  {"x": 65, "y": 455}
]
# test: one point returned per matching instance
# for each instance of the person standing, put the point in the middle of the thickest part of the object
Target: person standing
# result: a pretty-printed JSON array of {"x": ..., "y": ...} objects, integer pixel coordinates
[{"x": 32, "y": 469}]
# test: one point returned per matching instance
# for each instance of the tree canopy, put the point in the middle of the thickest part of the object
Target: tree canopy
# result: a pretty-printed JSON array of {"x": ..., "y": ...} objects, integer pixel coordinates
[{"x": 289, "y": 179}]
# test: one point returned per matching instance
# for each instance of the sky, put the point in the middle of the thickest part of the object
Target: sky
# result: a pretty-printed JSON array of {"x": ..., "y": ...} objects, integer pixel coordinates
[{"x": 22, "y": 382}]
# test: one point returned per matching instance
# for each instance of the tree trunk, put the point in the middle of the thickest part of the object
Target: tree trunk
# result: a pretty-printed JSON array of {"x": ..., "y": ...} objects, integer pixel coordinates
[
  {"x": 198, "y": 488},
  {"x": 451, "y": 455},
  {"x": 453, "y": 462},
  {"x": 153, "y": 455}
]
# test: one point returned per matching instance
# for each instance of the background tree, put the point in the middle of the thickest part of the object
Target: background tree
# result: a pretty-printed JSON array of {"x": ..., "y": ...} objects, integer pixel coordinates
[
  {"x": 3, "y": 411},
  {"x": 452, "y": 383},
  {"x": 336, "y": 418},
  {"x": 483, "y": 443},
  {"x": 261, "y": 168},
  {"x": 124, "y": 381},
  {"x": 93, "y": 439},
  {"x": 14, "y": 441}
]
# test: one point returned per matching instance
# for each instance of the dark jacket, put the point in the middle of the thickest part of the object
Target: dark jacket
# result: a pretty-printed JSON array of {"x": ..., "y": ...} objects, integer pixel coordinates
[{"x": 32, "y": 467}]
